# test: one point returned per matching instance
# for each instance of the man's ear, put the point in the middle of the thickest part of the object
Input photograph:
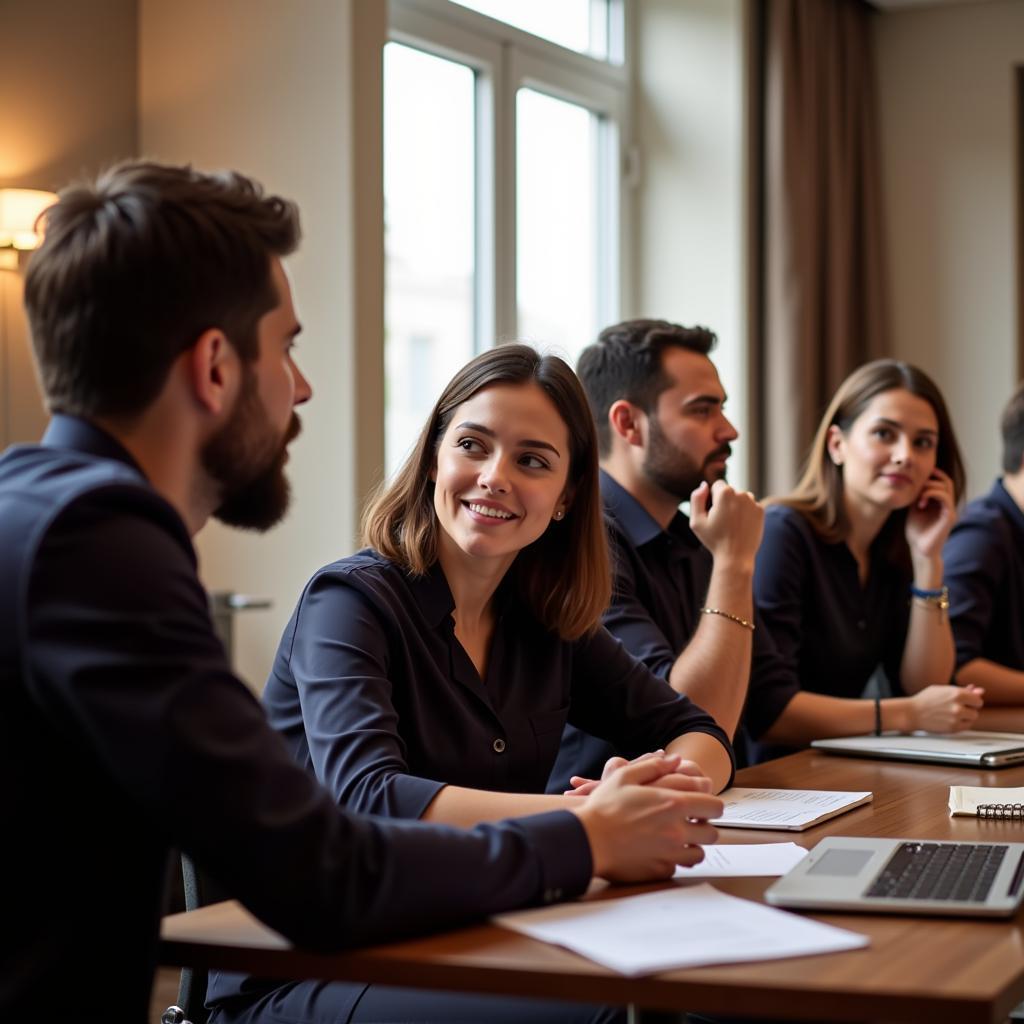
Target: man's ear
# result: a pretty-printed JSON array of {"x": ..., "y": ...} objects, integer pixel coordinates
[
  {"x": 213, "y": 368},
  {"x": 627, "y": 421}
]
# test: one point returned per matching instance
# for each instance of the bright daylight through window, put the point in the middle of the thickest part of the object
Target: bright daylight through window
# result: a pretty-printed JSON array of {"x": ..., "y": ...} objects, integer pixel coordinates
[{"x": 484, "y": 119}]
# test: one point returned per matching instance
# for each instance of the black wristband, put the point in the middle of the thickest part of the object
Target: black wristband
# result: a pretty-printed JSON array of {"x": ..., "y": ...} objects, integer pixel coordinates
[{"x": 878, "y": 716}]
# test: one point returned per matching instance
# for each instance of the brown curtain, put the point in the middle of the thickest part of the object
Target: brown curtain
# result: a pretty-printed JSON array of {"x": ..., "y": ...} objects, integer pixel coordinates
[{"x": 822, "y": 299}]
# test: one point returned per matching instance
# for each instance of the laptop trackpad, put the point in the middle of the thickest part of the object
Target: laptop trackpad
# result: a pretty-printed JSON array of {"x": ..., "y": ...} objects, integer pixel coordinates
[{"x": 841, "y": 863}]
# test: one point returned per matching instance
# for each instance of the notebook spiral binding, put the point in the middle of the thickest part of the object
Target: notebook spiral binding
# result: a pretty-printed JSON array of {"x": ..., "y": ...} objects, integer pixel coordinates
[{"x": 1001, "y": 811}]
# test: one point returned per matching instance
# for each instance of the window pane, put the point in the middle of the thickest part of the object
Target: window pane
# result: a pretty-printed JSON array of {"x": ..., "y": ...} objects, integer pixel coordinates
[
  {"x": 580, "y": 25},
  {"x": 429, "y": 199},
  {"x": 557, "y": 236}
]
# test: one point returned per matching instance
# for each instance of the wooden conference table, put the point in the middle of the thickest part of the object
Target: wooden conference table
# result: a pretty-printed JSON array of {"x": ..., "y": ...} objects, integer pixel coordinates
[{"x": 915, "y": 969}]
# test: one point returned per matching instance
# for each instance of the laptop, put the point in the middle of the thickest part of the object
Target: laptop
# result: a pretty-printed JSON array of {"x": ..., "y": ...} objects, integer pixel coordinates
[
  {"x": 970, "y": 748},
  {"x": 905, "y": 876}
]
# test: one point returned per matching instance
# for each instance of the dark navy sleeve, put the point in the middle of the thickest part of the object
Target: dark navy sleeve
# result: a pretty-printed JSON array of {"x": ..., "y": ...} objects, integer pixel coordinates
[
  {"x": 629, "y": 620},
  {"x": 779, "y": 578},
  {"x": 773, "y": 682},
  {"x": 121, "y": 657},
  {"x": 339, "y": 662},
  {"x": 616, "y": 697},
  {"x": 976, "y": 558}
]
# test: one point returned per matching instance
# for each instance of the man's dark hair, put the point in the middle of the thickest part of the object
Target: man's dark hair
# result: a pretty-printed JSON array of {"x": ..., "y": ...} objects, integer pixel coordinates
[
  {"x": 135, "y": 266},
  {"x": 625, "y": 363},
  {"x": 1012, "y": 426}
]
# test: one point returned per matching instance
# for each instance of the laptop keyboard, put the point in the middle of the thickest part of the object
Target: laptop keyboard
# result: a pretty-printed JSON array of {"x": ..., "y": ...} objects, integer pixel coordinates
[{"x": 939, "y": 871}]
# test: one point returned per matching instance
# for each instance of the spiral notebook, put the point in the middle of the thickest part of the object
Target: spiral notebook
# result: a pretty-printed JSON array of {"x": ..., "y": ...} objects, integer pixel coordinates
[{"x": 986, "y": 802}]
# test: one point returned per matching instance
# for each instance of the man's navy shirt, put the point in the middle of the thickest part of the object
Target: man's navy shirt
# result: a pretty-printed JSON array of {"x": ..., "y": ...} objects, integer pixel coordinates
[{"x": 984, "y": 559}]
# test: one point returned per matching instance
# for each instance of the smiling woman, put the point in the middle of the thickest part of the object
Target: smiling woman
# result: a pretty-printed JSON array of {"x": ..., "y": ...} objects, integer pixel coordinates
[
  {"x": 431, "y": 675},
  {"x": 536, "y": 427}
]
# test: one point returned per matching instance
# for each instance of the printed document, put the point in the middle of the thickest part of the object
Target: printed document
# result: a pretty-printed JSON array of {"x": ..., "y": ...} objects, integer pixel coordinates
[
  {"x": 685, "y": 926},
  {"x": 790, "y": 810}
]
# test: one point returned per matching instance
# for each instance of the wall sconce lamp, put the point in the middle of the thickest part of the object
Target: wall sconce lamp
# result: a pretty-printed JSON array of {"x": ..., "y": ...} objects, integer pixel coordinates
[{"x": 19, "y": 210}]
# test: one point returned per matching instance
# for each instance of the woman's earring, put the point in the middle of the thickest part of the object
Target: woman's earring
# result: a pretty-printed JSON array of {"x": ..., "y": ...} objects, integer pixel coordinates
[{"x": 559, "y": 515}]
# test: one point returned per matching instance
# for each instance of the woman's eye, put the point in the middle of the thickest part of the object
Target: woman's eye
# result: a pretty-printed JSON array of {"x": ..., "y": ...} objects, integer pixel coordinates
[
  {"x": 533, "y": 462},
  {"x": 883, "y": 433},
  {"x": 468, "y": 444},
  {"x": 925, "y": 443}
]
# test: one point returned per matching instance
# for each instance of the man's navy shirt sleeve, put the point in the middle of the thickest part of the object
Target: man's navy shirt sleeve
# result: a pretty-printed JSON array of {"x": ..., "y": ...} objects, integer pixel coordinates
[{"x": 628, "y": 618}]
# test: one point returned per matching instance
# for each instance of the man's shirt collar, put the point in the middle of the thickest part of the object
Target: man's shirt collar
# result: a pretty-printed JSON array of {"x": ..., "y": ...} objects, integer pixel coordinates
[
  {"x": 80, "y": 435},
  {"x": 636, "y": 522}
]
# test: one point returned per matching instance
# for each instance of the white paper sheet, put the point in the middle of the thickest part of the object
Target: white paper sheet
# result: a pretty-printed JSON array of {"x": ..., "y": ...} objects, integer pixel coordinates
[
  {"x": 745, "y": 860},
  {"x": 679, "y": 927}
]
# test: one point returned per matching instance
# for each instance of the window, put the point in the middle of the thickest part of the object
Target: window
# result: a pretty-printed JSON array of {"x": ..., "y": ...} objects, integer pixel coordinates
[
  {"x": 556, "y": 214},
  {"x": 504, "y": 212},
  {"x": 429, "y": 245}
]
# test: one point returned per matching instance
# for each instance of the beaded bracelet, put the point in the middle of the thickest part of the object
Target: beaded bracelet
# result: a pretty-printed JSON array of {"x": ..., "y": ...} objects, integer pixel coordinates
[
  {"x": 729, "y": 615},
  {"x": 937, "y": 599}
]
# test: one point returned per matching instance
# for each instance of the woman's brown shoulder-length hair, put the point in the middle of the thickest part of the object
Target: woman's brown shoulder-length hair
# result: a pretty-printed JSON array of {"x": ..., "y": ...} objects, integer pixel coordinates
[
  {"x": 818, "y": 495},
  {"x": 564, "y": 575}
]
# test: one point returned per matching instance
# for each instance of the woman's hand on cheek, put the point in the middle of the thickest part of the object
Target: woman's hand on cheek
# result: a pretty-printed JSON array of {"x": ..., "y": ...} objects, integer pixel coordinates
[{"x": 931, "y": 517}]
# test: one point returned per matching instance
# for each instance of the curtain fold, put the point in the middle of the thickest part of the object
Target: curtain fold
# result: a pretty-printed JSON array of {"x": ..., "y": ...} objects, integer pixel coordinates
[{"x": 823, "y": 302}]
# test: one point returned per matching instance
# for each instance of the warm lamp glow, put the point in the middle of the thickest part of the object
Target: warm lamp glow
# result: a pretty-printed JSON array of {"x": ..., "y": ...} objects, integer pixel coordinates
[{"x": 19, "y": 210}]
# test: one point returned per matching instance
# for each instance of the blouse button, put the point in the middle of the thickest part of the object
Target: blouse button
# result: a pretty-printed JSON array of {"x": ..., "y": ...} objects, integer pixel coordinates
[{"x": 499, "y": 746}]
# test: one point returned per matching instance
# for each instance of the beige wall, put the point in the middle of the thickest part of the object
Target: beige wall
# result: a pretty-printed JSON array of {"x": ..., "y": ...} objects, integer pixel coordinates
[
  {"x": 72, "y": 68},
  {"x": 688, "y": 123},
  {"x": 946, "y": 87},
  {"x": 266, "y": 86}
]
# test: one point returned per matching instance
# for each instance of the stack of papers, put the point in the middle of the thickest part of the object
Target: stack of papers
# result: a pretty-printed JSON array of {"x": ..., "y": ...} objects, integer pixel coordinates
[{"x": 679, "y": 927}]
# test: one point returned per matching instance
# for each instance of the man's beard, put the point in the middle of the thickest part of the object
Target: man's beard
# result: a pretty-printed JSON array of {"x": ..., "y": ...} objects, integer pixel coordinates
[
  {"x": 673, "y": 470},
  {"x": 246, "y": 459}
]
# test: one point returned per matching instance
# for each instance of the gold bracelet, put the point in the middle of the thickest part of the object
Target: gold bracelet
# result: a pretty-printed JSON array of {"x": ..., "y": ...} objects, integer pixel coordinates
[{"x": 729, "y": 615}]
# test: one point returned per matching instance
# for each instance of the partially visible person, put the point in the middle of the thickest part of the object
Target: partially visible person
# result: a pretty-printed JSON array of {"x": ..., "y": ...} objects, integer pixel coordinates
[
  {"x": 682, "y": 587},
  {"x": 163, "y": 329},
  {"x": 849, "y": 578},
  {"x": 429, "y": 676},
  {"x": 985, "y": 575}
]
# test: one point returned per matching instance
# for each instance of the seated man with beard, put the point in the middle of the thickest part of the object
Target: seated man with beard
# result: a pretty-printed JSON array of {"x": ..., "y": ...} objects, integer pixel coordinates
[{"x": 682, "y": 600}]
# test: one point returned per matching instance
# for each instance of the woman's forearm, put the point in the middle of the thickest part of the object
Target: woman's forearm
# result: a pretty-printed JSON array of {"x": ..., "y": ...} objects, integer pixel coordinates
[{"x": 464, "y": 808}]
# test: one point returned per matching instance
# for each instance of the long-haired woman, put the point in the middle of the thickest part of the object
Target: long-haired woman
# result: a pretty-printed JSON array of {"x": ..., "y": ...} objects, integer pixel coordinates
[{"x": 849, "y": 574}]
